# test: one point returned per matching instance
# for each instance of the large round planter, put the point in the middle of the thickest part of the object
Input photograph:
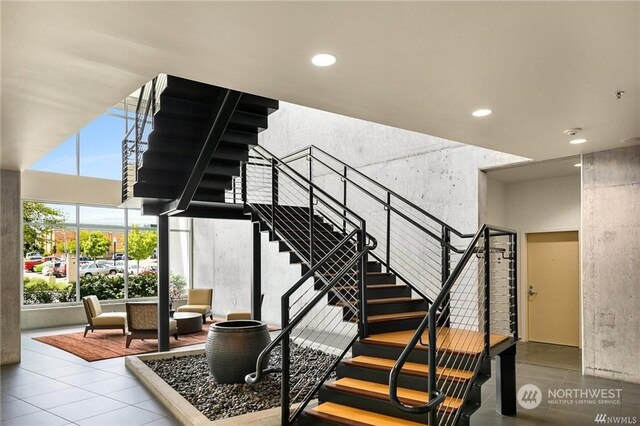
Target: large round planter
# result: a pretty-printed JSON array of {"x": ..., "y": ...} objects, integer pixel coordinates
[{"x": 233, "y": 347}]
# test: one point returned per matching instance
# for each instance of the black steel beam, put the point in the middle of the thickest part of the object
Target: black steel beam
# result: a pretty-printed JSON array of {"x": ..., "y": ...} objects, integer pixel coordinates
[
  {"x": 163, "y": 283},
  {"x": 506, "y": 382},
  {"x": 256, "y": 275}
]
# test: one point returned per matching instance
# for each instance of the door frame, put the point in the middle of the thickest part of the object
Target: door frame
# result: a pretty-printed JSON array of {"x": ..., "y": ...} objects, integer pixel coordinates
[{"x": 523, "y": 286}]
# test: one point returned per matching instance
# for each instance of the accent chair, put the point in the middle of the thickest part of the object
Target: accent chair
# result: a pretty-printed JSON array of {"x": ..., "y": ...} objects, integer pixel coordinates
[
  {"x": 99, "y": 320},
  {"x": 142, "y": 321},
  {"x": 199, "y": 300}
]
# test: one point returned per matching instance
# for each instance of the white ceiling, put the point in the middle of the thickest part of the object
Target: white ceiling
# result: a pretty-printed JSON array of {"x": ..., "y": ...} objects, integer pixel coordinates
[
  {"x": 541, "y": 66},
  {"x": 533, "y": 170}
]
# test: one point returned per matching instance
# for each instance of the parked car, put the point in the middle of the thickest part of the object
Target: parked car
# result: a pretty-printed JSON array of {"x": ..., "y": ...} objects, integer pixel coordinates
[
  {"x": 33, "y": 255},
  {"x": 60, "y": 269},
  {"x": 46, "y": 261},
  {"x": 98, "y": 268},
  {"x": 119, "y": 256},
  {"x": 30, "y": 264},
  {"x": 49, "y": 267}
]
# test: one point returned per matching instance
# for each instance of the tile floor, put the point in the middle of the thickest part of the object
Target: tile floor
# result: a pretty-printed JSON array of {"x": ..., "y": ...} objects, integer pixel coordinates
[{"x": 53, "y": 387}]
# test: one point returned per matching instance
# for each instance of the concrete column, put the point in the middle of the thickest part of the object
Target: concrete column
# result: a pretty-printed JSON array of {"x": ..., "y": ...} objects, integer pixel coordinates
[
  {"x": 11, "y": 266},
  {"x": 611, "y": 263}
]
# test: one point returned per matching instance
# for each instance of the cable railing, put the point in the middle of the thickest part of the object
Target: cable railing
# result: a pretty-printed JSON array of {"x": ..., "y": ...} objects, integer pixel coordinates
[
  {"x": 478, "y": 305},
  {"x": 323, "y": 313},
  {"x": 136, "y": 140}
]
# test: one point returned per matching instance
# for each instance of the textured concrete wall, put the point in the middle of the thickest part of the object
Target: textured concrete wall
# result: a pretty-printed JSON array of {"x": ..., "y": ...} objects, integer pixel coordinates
[
  {"x": 611, "y": 263},
  {"x": 10, "y": 267}
]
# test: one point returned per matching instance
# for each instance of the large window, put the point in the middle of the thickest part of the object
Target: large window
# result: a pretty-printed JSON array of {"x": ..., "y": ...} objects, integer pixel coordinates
[{"x": 71, "y": 251}]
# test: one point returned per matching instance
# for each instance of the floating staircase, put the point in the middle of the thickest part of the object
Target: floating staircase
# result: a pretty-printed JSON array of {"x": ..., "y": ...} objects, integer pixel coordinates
[{"x": 398, "y": 314}]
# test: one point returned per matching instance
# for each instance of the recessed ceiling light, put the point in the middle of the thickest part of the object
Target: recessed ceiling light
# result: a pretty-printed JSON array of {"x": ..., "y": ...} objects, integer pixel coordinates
[
  {"x": 481, "y": 112},
  {"x": 323, "y": 60},
  {"x": 577, "y": 165},
  {"x": 578, "y": 141}
]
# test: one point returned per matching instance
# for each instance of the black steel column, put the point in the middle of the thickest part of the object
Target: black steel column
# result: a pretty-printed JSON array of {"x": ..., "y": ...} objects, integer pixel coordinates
[
  {"x": 344, "y": 200},
  {"x": 256, "y": 275},
  {"x": 311, "y": 215},
  {"x": 284, "y": 362},
  {"x": 363, "y": 330},
  {"x": 513, "y": 275},
  {"x": 244, "y": 182},
  {"x": 388, "y": 207},
  {"x": 163, "y": 283},
  {"x": 506, "y": 381}
]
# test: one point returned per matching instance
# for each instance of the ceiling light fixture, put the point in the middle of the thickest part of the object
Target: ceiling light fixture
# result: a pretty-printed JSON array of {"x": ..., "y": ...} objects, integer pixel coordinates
[
  {"x": 572, "y": 132},
  {"x": 481, "y": 112},
  {"x": 577, "y": 165},
  {"x": 323, "y": 60},
  {"x": 578, "y": 141}
]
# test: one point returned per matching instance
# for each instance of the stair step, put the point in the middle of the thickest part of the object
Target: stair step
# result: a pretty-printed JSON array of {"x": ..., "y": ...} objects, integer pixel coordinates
[
  {"x": 412, "y": 368},
  {"x": 247, "y": 122},
  {"x": 344, "y": 415},
  {"x": 183, "y": 109},
  {"x": 176, "y": 128},
  {"x": 381, "y": 391},
  {"x": 195, "y": 91},
  {"x": 257, "y": 104},
  {"x": 399, "y": 316},
  {"x": 235, "y": 137},
  {"x": 449, "y": 340},
  {"x": 226, "y": 153}
]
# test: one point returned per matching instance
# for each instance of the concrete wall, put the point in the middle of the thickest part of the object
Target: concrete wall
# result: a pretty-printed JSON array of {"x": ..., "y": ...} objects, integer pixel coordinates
[
  {"x": 540, "y": 205},
  {"x": 611, "y": 263},
  {"x": 10, "y": 267}
]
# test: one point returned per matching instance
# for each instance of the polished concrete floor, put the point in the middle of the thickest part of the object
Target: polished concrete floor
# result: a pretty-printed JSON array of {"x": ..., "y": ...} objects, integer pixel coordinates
[{"x": 53, "y": 387}]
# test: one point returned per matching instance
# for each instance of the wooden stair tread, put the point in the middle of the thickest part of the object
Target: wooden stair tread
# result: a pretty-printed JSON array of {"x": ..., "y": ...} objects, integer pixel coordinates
[
  {"x": 345, "y": 415},
  {"x": 412, "y": 368},
  {"x": 384, "y": 301},
  {"x": 449, "y": 340},
  {"x": 399, "y": 316},
  {"x": 370, "y": 286},
  {"x": 381, "y": 391}
]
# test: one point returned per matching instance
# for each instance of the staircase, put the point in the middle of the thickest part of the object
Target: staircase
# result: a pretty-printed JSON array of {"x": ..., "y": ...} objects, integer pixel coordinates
[{"x": 381, "y": 278}]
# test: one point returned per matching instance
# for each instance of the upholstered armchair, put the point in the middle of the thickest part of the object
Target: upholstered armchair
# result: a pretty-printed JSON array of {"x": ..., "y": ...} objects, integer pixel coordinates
[
  {"x": 142, "y": 321},
  {"x": 99, "y": 320},
  {"x": 199, "y": 300}
]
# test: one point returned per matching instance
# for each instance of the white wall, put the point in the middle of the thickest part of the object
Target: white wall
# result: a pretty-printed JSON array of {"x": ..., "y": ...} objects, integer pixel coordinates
[
  {"x": 542, "y": 205},
  {"x": 61, "y": 188}
]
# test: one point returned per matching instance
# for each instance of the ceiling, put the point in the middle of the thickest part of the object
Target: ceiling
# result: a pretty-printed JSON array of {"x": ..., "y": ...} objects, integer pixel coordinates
[
  {"x": 533, "y": 170},
  {"x": 424, "y": 66}
]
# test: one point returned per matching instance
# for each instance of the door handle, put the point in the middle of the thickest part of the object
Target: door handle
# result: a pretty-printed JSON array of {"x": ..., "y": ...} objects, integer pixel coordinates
[{"x": 531, "y": 292}]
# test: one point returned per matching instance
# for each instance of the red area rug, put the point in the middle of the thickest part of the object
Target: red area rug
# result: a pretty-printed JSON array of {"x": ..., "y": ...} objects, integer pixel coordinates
[{"x": 106, "y": 344}]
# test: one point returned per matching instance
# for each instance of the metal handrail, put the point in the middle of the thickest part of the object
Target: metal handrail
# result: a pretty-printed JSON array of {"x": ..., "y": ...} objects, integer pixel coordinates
[
  {"x": 310, "y": 150},
  {"x": 430, "y": 322}
]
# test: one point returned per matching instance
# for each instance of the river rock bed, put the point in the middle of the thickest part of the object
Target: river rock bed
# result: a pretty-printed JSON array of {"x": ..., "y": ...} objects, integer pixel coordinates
[{"x": 189, "y": 376}]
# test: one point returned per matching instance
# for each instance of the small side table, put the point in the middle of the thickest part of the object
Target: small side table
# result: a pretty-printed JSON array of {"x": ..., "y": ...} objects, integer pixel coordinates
[{"x": 188, "y": 322}]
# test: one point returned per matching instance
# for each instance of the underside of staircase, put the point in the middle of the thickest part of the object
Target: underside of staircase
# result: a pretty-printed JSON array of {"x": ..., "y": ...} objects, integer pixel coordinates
[{"x": 194, "y": 164}]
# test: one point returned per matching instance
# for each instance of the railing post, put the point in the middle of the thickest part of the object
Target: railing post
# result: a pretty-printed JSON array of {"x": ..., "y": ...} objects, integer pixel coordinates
[
  {"x": 388, "y": 208},
  {"x": 363, "y": 329},
  {"x": 446, "y": 271},
  {"x": 243, "y": 173},
  {"x": 284, "y": 386},
  {"x": 311, "y": 213},
  {"x": 344, "y": 200},
  {"x": 274, "y": 193},
  {"x": 513, "y": 281},
  {"x": 487, "y": 289},
  {"x": 432, "y": 379}
]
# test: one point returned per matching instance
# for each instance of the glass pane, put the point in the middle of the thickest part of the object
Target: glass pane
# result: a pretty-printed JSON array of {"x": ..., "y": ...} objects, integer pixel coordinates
[
  {"x": 101, "y": 148},
  {"x": 35, "y": 211},
  {"x": 101, "y": 216},
  {"x": 136, "y": 219},
  {"x": 61, "y": 160},
  {"x": 142, "y": 264},
  {"x": 179, "y": 263},
  {"x": 100, "y": 274}
]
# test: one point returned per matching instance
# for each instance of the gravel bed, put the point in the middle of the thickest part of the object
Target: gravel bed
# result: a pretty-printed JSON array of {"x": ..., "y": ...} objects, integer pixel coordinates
[{"x": 189, "y": 376}]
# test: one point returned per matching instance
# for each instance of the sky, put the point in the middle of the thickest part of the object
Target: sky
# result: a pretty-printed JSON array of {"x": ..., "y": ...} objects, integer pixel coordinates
[{"x": 100, "y": 156}]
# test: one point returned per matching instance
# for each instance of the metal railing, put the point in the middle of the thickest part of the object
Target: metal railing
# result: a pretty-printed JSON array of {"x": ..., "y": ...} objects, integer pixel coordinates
[
  {"x": 136, "y": 140},
  {"x": 322, "y": 314},
  {"x": 478, "y": 302}
]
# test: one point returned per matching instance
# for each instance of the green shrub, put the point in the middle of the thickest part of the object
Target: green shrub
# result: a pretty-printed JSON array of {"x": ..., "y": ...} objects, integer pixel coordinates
[
  {"x": 103, "y": 286},
  {"x": 144, "y": 284}
]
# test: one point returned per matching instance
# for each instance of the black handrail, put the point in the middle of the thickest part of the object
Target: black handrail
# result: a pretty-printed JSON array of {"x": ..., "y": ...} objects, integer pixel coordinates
[
  {"x": 311, "y": 148},
  {"x": 257, "y": 375},
  {"x": 430, "y": 321}
]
